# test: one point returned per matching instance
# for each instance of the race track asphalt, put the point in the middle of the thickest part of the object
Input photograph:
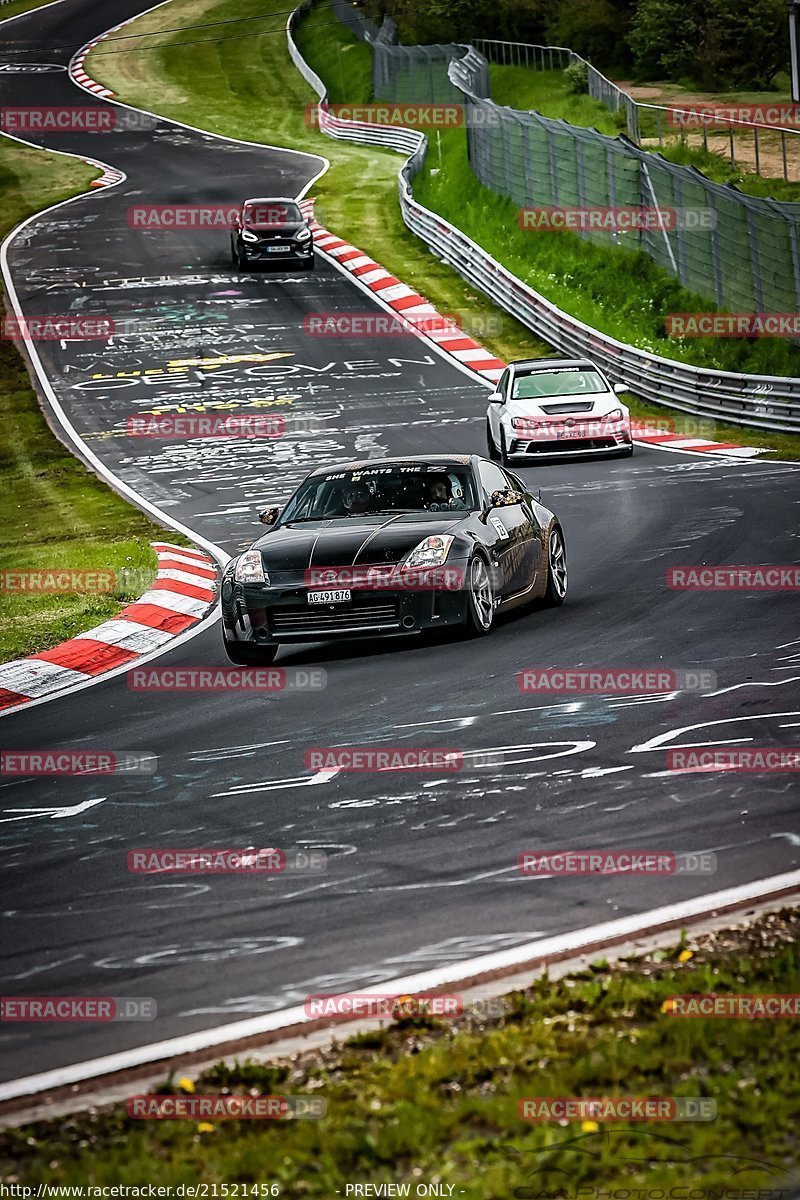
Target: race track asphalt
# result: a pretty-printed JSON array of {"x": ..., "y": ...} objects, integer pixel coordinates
[{"x": 421, "y": 868}]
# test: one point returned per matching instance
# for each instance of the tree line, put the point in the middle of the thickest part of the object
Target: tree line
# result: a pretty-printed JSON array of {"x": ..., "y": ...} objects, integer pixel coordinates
[{"x": 713, "y": 44}]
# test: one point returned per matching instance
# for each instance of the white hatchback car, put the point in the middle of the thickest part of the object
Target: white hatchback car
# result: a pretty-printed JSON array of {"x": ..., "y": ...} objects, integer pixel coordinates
[{"x": 554, "y": 408}]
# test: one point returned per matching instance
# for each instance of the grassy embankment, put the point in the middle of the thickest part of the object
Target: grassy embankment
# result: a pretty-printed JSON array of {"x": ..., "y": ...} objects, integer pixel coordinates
[
  {"x": 57, "y": 514},
  {"x": 422, "y": 1101}
]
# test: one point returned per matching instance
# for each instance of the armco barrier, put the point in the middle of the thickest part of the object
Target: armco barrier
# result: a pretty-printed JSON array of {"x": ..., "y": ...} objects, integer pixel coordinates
[{"x": 760, "y": 401}]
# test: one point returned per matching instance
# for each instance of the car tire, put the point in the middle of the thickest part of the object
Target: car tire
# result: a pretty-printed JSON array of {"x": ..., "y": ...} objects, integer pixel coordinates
[
  {"x": 480, "y": 598},
  {"x": 234, "y": 255},
  {"x": 241, "y": 261},
  {"x": 556, "y": 589},
  {"x": 309, "y": 266},
  {"x": 627, "y": 452},
  {"x": 245, "y": 654},
  {"x": 494, "y": 453},
  {"x": 503, "y": 448}
]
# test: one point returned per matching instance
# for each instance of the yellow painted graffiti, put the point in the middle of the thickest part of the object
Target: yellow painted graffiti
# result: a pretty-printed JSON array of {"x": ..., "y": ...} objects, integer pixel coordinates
[
  {"x": 179, "y": 366},
  {"x": 225, "y": 360},
  {"x": 218, "y": 405}
]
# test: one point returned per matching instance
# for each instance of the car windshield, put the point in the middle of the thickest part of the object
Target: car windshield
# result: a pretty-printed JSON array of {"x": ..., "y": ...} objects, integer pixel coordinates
[
  {"x": 264, "y": 214},
  {"x": 557, "y": 383},
  {"x": 391, "y": 490}
]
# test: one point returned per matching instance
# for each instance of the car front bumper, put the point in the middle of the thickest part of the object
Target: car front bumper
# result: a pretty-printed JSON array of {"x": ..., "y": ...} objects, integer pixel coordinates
[
  {"x": 299, "y": 254},
  {"x": 278, "y": 612},
  {"x": 562, "y": 443}
]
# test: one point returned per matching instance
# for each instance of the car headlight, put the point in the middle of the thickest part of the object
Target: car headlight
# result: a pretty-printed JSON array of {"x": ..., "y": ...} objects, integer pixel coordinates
[
  {"x": 524, "y": 423},
  {"x": 303, "y": 235},
  {"x": 431, "y": 552},
  {"x": 250, "y": 568},
  {"x": 248, "y": 236},
  {"x": 616, "y": 414}
]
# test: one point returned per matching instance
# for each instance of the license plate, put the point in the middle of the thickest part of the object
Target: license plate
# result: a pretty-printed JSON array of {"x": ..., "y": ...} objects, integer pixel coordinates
[
  {"x": 278, "y": 249},
  {"x": 337, "y": 597},
  {"x": 569, "y": 432}
]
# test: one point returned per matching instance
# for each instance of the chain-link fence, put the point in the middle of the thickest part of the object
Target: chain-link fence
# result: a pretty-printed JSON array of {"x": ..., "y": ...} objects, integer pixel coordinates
[
  {"x": 769, "y": 149},
  {"x": 418, "y": 74},
  {"x": 758, "y": 401},
  {"x": 737, "y": 250},
  {"x": 401, "y": 74}
]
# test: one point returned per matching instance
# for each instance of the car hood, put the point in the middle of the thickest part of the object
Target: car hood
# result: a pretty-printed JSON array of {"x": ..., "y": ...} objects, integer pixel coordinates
[
  {"x": 597, "y": 404},
  {"x": 346, "y": 541},
  {"x": 292, "y": 227}
]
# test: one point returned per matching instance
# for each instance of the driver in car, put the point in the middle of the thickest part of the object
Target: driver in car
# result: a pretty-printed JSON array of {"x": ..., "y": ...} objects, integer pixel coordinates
[
  {"x": 355, "y": 499},
  {"x": 439, "y": 495}
]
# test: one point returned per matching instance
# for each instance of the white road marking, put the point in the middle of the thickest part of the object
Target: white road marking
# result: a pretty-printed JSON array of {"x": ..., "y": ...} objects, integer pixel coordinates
[
  {"x": 754, "y": 683},
  {"x": 273, "y": 785},
  {"x": 53, "y": 813},
  {"x": 424, "y": 981},
  {"x": 661, "y": 739}
]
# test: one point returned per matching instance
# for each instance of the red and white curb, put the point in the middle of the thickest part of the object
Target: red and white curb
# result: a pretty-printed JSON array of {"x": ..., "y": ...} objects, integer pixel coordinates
[
  {"x": 677, "y": 441},
  {"x": 415, "y": 309},
  {"x": 404, "y": 301},
  {"x": 77, "y": 72},
  {"x": 110, "y": 176},
  {"x": 181, "y": 595}
]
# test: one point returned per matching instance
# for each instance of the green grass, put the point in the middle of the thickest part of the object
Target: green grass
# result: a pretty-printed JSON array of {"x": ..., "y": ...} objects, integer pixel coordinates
[
  {"x": 344, "y": 63},
  {"x": 251, "y": 89},
  {"x": 421, "y": 1102},
  {"x": 548, "y": 93},
  {"x": 56, "y": 512},
  {"x": 15, "y": 7},
  {"x": 623, "y": 294}
]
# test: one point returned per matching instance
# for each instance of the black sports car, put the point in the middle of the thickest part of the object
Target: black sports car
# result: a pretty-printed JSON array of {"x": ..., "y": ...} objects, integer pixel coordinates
[
  {"x": 272, "y": 232},
  {"x": 399, "y": 545}
]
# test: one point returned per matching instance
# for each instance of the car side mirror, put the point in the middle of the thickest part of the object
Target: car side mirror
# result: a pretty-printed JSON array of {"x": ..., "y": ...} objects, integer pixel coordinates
[
  {"x": 504, "y": 497},
  {"x": 268, "y": 516},
  {"x": 496, "y": 398},
  {"x": 619, "y": 388}
]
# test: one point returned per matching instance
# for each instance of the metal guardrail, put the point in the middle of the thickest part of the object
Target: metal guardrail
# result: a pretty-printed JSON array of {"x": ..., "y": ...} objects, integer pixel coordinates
[{"x": 769, "y": 402}]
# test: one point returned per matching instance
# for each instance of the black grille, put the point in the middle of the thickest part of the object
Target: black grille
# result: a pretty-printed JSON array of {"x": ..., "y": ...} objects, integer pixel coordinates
[
  {"x": 564, "y": 445},
  {"x": 321, "y": 619},
  {"x": 568, "y": 406}
]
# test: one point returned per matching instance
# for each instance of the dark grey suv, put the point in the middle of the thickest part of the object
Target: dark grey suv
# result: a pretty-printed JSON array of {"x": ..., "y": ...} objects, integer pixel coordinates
[{"x": 272, "y": 231}]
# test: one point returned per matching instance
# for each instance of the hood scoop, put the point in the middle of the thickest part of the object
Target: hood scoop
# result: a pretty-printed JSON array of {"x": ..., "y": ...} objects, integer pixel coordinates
[{"x": 568, "y": 406}]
